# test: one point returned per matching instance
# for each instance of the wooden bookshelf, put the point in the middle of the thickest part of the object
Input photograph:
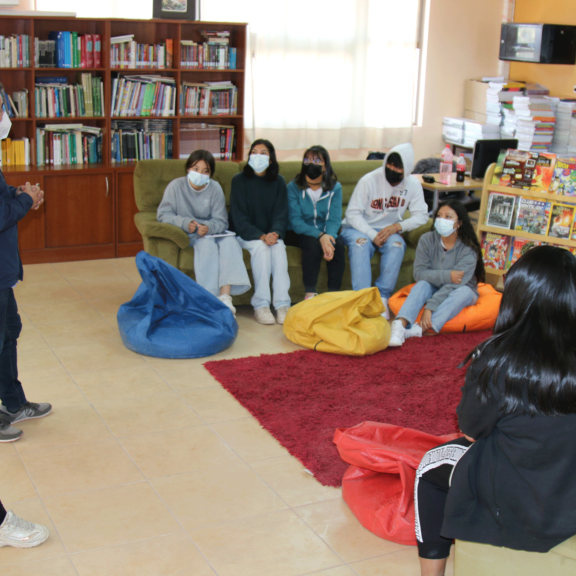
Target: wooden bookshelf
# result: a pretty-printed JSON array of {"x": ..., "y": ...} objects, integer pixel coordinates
[
  {"x": 482, "y": 227},
  {"x": 89, "y": 209}
]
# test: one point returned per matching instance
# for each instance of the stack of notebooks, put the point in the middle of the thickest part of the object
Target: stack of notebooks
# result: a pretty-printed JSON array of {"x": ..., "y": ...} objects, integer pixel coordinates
[
  {"x": 145, "y": 95},
  {"x": 126, "y": 53},
  {"x": 15, "y": 51},
  {"x": 134, "y": 140},
  {"x": 60, "y": 144},
  {"x": 55, "y": 98},
  {"x": 564, "y": 141},
  {"x": 531, "y": 121},
  {"x": 477, "y": 131},
  {"x": 208, "y": 99},
  {"x": 218, "y": 139}
]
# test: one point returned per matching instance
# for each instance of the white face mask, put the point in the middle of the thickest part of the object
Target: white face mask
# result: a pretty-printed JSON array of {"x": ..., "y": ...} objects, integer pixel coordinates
[
  {"x": 198, "y": 179},
  {"x": 444, "y": 227},
  {"x": 259, "y": 162},
  {"x": 5, "y": 125}
]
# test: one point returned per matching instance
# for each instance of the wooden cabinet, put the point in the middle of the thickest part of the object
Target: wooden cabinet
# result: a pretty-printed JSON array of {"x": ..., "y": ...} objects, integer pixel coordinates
[{"x": 128, "y": 239}]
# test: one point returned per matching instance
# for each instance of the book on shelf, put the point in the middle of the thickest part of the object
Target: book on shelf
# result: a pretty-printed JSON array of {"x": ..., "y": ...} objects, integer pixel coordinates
[
  {"x": 125, "y": 52},
  {"x": 518, "y": 169},
  {"x": 561, "y": 221},
  {"x": 134, "y": 140},
  {"x": 495, "y": 250},
  {"x": 212, "y": 55},
  {"x": 66, "y": 49},
  {"x": 219, "y": 139},
  {"x": 145, "y": 95},
  {"x": 55, "y": 98},
  {"x": 543, "y": 172},
  {"x": 58, "y": 144},
  {"x": 15, "y": 152},
  {"x": 15, "y": 51},
  {"x": 16, "y": 106},
  {"x": 519, "y": 247},
  {"x": 500, "y": 211},
  {"x": 208, "y": 99},
  {"x": 532, "y": 216},
  {"x": 564, "y": 178}
]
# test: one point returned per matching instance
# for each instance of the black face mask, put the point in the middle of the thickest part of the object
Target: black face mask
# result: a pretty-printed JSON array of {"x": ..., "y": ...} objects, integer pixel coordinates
[
  {"x": 394, "y": 177},
  {"x": 313, "y": 171}
]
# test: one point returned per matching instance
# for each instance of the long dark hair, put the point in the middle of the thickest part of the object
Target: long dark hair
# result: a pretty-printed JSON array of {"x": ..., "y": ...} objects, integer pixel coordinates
[
  {"x": 466, "y": 235},
  {"x": 329, "y": 178},
  {"x": 532, "y": 353},
  {"x": 273, "y": 169}
]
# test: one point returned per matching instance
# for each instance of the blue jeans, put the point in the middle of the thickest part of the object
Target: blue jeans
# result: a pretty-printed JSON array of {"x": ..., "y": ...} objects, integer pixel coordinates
[
  {"x": 11, "y": 391},
  {"x": 456, "y": 301},
  {"x": 360, "y": 251}
]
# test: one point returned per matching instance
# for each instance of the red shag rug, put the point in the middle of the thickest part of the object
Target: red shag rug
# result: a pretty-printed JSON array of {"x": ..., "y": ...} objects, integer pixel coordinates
[{"x": 302, "y": 397}]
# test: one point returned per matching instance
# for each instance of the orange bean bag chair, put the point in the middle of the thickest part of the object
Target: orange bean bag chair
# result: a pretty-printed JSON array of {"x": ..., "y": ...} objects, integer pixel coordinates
[{"x": 480, "y": 316}]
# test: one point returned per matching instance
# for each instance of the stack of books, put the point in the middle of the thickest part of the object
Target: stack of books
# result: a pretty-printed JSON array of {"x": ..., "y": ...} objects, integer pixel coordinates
[
  {"x": 71, "y": 50},
  {"x": 126, "y": 53},
  {"x": 531, "y": 121},
  {"x": 218, "y": 139},
  {"x": 134, "y": 140},
  {"x": 208, "y": 99},
  {"x": 59, "y": 144},
  {"x": 15, "y": 152},
  {"x": 16, "y": 105},
  {"x": 564, "y": 141},
  {"x": 477, "y": 131},
  {"x": 145, "y": 95},
  {"x": 214, "y": 53},
  {"x": 55, "y": 98},
  {"x": 15, "y": 51}
]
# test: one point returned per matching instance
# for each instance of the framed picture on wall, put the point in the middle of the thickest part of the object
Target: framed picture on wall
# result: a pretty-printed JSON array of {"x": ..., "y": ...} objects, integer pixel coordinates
[{"x": 175, "y": 9}]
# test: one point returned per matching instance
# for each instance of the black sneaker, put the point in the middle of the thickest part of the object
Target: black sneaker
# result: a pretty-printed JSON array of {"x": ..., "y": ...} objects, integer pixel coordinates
[
  {"x": 28, "y": 411},
  {"x": 8, "y": 433}
]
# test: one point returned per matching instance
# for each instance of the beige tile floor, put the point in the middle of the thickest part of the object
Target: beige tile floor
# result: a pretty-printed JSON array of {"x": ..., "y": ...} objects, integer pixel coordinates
[{"x": 148, "y": 466}]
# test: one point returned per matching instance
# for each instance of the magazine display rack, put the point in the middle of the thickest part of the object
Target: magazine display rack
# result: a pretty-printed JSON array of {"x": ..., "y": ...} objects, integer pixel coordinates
[
  {"x": 484, "y": 227},
  {"x": 89, "y": 209}
]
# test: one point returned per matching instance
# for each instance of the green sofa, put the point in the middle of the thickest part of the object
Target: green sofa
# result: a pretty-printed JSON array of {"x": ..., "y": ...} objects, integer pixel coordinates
[{"x": 171, "y": 243}]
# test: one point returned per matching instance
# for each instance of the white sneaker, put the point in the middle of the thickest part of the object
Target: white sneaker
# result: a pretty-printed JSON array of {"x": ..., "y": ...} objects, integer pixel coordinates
[
  {"x": 386, "y": 312},
  {"x": 281, "y": 314},
  {"x": 264, "y": 316},
  {"x": 227, "y": 299},
  {"x": 414, "y": 332},
  {"x": 20, "y": 533},
  {"x": 398, "y": 334},
  {"x": 311, "y": 296}
]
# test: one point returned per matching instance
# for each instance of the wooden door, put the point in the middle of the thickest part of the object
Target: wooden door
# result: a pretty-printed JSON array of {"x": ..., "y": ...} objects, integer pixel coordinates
[{"x": 79, "y": 210}]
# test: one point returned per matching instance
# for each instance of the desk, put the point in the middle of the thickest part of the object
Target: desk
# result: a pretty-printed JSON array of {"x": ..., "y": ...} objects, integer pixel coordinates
[{"x": 467, "y": 186}]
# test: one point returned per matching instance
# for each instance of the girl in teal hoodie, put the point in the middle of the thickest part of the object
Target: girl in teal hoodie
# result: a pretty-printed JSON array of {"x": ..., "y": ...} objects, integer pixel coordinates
[{"x": 314, "y": 218}]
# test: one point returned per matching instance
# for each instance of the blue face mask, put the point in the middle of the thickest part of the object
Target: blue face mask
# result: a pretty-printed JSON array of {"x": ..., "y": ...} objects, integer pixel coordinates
[
  {"x": 444, "y": 227},
  {"x": 259, "y": 162},
  {"x": 198, "y": 179}
]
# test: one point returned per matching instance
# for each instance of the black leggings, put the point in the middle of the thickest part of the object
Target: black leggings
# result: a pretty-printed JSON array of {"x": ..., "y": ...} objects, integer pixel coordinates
[
  {"x": 431, "y": 491},
  {"x": 312, "y": 255},
  {"x": 2, "y": 513}
]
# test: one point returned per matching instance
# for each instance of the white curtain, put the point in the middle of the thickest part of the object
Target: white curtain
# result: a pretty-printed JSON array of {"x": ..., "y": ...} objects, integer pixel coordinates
[{"x": 99, "y": 8}]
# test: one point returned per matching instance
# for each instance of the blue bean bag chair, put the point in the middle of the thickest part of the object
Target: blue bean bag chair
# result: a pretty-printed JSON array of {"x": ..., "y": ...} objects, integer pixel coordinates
[{"x": 171, "y": 316}]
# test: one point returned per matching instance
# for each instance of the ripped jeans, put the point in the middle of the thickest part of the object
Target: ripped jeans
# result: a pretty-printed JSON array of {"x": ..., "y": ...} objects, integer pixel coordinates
[{"x": 360, "y": 251}]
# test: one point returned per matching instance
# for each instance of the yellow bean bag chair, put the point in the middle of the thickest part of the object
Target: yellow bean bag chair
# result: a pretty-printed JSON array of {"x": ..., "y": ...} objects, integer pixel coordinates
[
  {"x": 347, "y": 322},
  {"x": 480, "y": 316}
]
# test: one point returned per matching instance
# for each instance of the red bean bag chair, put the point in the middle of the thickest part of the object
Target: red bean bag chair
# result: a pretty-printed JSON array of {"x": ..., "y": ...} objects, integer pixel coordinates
[
  {"x": 480, "y": 316},
  {"x": 379, "y": 486}
]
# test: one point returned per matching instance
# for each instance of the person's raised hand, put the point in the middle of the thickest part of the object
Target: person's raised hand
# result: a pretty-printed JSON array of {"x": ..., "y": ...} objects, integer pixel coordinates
[
  {"x": 327, "y": 242},
  {"x": 192, "y": 227},
  {"x": 202, "y": 230},
  {"x": 456, "y": 276}
]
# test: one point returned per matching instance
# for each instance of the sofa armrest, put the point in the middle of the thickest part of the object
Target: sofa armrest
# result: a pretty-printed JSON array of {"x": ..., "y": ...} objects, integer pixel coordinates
[
  {"x": 150, "y": 227},
  {"x": 413, "y": 236}
]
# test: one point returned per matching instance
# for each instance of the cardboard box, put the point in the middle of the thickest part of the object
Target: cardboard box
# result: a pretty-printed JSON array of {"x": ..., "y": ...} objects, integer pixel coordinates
[{"x": 475, "y": 92}]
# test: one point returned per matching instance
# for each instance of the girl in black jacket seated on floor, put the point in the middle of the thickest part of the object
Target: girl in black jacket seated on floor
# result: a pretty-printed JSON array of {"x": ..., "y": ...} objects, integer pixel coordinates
[{"x": 515, "y": 481}]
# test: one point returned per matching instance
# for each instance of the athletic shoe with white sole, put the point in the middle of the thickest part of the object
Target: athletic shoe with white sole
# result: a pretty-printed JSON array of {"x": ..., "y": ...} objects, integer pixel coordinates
[
  {"x": 281, "y": 314},
  {"x": 28, "y": 411},
  {"x": 386, "y": 312},
  {"x": 20, "y": 533},
  {"x": 311, "y": 296},
  {"x": 8, "y": 433},
  {"x": 227, "y": 300},
  {"x": 398, "y": 334},
  {"x": 414, "y": 332},
  {"x": 264, "y": 316}
]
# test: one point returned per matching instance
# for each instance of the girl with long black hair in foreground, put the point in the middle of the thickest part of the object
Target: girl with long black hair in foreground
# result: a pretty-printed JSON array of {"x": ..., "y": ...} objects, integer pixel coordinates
[{"x": 514, "y": 484}]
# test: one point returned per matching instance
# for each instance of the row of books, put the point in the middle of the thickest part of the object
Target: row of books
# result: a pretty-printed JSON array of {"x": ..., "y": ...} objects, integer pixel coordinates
[
  {"x": 216, "y": 138},
  {"x": 55, "y": 98},
  {"x": 15, "y": 51},
  {"x": 16, "y": 106},
  {"x": 141, "y": 140},
  {"x": 69, "y": 50},
  {"x": 15, "y": 152},
  {"x": 145, "y": 95},
  {"x": 126, "y": 53},
  {"x": 538, "y": 171},
  {"x": 499, "y": 252},
  {"x": 208, "y": 99},
  {"x": 530, "y": 215},
  {"x": 207, "y": 55},
  {"x": 58, "y": 144}
]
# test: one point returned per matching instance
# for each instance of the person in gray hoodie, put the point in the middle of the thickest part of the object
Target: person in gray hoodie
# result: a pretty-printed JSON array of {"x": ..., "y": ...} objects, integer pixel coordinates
[
  {"x": 196, "y": 204},
  {"x": 447, "y": 269}
]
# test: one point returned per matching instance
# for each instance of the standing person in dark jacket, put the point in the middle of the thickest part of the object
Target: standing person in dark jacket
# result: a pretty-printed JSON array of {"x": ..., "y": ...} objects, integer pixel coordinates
[
  {"x": 14, "y": 205},
  {"x": 259, "y": 216},
  {"x": 514, "y": 482}
]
